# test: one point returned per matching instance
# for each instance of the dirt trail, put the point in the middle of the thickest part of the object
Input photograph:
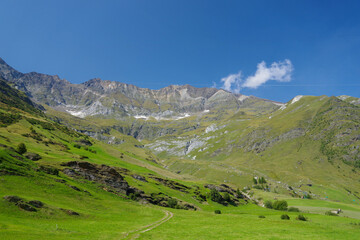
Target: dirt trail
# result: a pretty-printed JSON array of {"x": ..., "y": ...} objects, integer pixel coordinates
[{"x": 134, "y": 234}]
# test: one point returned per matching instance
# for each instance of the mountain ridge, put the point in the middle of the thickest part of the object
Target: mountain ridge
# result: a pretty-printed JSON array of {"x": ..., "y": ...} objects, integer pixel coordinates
[{"x": 116, "y": 99}]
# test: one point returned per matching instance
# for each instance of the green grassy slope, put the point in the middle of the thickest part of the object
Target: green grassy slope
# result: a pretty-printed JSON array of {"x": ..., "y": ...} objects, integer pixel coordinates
[
  {"x": 311, "y": 141},
  {"x": 79, "y": 207}
]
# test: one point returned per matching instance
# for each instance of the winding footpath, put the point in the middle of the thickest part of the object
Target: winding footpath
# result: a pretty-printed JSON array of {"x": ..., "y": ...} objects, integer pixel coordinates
[{"x": 134, "y": 234}]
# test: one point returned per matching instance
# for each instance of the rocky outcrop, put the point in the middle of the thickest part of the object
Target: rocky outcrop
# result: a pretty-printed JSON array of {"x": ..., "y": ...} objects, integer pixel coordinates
[
  {"x": 172, "y": 184},
  {"x": 30, "y": 206},
  {"x": 138, "y": 177},
  {"x": 105, "y": 175}
]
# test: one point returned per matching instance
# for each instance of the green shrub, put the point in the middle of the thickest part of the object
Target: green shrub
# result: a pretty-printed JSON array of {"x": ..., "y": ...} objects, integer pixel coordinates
[
  {"x": 200, "y": 197},
  {"x": 280, "y": 205},
  {"x": 215, "y": 196},
  {"x": 134, "y": 196},
  {"x": 49, "y": 170},
  {"x": 261, "y": 216},
  {"x": 217, "y": 212},
  {"x": 172, "y": 202},
  {"x": 293, "y": 209},
  {"x": 301, "y": 218},
  {"x": 76, "y": 145},
  {"x": 285, "y": 217},
  {"x": 227, "y": 197},
  {"x": 268, "y": 204},
  {"x": 21, "y": 148}
]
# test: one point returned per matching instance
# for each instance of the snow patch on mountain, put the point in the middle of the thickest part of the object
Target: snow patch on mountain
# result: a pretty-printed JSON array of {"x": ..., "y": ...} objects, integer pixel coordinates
[{"x": 79, "y": 114}]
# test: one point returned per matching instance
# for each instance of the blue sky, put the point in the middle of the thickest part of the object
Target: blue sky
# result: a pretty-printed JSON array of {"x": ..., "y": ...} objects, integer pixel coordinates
[{"x": 303, "y": 47}]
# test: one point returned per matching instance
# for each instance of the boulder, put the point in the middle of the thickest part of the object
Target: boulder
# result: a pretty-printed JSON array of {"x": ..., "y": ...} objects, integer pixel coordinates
[
  {"x": 26, "y": 207},
  {"x": 138, "y": 177},
  {"x": 32, "y": 156}
]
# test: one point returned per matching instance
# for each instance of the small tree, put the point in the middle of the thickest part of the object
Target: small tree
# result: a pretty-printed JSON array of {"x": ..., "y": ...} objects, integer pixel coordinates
[
  {"x": 21, "y": 148},
  {"x": 215, "y": 196},
  {"x": 172, "y": 202},
  {"x": 280, "y": 205},
  {"x": 301, "y": 218},
  {"x": 268, "y": 204},
  {"x": 293, "y": 209},
  {"x": 227, "y": 197}
]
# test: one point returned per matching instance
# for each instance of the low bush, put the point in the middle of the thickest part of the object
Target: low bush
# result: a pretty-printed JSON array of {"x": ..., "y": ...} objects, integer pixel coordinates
[
  {"x": 172, "y": 202},
  {"x": 285, "y": 217},
  {"x": 215, "y": 196},
  {"x": 76, "y": 145},
  {"x": 49, "y": 170},
  {"x": 261, "y": 216},
  {"x": 280, "y": 205},
  {"x": 301, "y": 218},
  {"x": 134, "y": 196},
  {"x": 268, "y": 204},
  {"x": 21, "y": 148},
  {"x": 227, "y": 197},
  {"x": 293, "y": 209},
  {"x": 217, "y": 212}
]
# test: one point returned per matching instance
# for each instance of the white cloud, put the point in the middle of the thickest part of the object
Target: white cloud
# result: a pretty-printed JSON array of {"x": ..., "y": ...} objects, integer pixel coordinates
[
  {"x": 278, "y": 71},
  {"x": 232, "y": 82}
]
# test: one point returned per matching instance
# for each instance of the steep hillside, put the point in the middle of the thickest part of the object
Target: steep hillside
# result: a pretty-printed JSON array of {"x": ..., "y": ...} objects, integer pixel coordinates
[{"x": 310, "y": 140}]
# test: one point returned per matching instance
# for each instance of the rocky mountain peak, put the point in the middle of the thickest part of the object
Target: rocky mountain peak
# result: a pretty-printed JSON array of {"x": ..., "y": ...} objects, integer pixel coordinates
[
  {"x": 7, "y": 72},
  {"x": 105, "y": 97}
]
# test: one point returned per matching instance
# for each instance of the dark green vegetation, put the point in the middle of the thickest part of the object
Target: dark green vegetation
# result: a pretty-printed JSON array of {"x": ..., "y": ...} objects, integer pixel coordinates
[{"x": 101, "y": 177}]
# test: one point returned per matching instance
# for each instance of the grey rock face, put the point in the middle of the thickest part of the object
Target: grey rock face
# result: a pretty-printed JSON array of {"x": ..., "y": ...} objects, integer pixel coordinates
[
  {"x": 109, "y": 98},
  {"x": 102, "y": 174}
]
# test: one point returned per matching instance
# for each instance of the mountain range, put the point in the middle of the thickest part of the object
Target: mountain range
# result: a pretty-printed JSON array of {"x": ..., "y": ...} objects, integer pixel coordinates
[
  {"x": 108, "y": 160},
  {"x": 209, "y": 133},
  {"x": 109, "y": 98}
]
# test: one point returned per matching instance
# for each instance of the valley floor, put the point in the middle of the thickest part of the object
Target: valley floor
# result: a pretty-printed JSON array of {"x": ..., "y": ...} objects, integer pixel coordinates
[{"x": 124, "y": 220}]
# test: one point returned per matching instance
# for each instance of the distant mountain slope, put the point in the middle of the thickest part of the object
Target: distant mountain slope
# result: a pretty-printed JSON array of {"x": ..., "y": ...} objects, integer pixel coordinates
[
  {"x": 116, "y": 100},
  {"x": 14, "y": 100}
]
